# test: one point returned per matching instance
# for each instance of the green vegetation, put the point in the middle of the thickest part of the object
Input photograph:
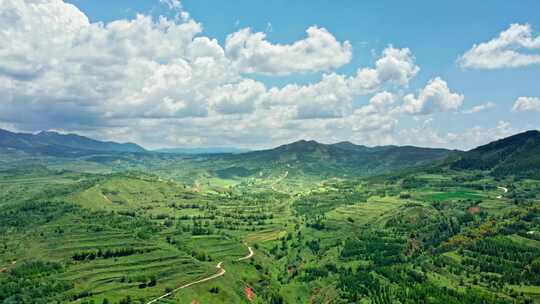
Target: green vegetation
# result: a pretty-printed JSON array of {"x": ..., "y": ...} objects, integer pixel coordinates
[
  {"x": 515, "y": 155},
  {"x": 151, "y": 225}
]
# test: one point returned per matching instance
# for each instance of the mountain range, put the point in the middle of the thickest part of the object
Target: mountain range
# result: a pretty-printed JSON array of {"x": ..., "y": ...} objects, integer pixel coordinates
[
  {"x": 344, "y": 158},
  {"x": 210, "y": 150},
  {"x": 518, "y": 155},
  {"x": 56, "y": 144}
]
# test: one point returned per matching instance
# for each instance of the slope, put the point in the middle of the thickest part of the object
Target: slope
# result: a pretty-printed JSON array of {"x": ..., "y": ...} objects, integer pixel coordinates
[{"x": 515, "y": 155}]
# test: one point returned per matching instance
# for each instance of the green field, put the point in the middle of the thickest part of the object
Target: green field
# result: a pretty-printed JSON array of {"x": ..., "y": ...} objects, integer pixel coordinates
[{"x": 70, "y": 236}]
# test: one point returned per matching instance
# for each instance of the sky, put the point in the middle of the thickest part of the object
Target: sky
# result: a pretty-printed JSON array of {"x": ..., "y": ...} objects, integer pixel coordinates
[{"x": 257, "y": 74}]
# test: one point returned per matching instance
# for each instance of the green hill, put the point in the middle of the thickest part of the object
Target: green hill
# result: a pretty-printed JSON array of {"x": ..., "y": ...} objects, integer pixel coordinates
[
  {"x": 131, "y": 227},
  {"x": 341, "y": 159},
  {"x": 198, "y": 151},
  {"x": 515, "y": 155},
  {"x": 56, "y": 144}
]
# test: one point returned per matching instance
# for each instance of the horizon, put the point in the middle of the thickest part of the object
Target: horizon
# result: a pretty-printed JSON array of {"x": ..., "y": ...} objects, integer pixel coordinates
[
  {"x": 169, "y": 73},
  {"x": 241, "y": 150},
  {"x": 218, "y": 151}
]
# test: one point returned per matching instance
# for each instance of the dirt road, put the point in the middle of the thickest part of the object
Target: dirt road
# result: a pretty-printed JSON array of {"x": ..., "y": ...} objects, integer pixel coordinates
[
  {"x": 251, "y": 253},
  {"x": 505, "y": 190},
  {"x": 220, "y": 273}
]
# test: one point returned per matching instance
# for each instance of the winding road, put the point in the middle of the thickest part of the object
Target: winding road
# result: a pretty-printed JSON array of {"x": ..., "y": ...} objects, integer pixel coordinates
[
  {"x": 220, "y": 273},
  {"x": 251, "y": 253},
  {"x": 505, "y": 190}
]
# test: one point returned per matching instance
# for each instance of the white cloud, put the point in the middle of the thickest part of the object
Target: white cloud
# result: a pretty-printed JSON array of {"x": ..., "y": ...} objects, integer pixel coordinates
[
  {"x": 71, "y": 71},
  {"x": 329, "y": 98},
  {"x": 479, "y": 135},
  {"x": 332, "y": 97},
  {"x": 435, "y": 97},
  {"x": 373, "y": 123},
  {"x": 57, "y": 64},
  {"x": 480, "y": 108},
  {"x": 376, "y": 118},
  {"x": 161, "y": 82},
  {"x": 423, "y": 134},
  {"x": 514, "y": 47},
  {"x": 396, "y": 66},
  {"x": 524, "y": 104},
  {"x": 112, "y": 80},
  {"x": 426, "y": 135},
  {"x": 382, "y": 100},
  {"x": 172, "y": 4},
  {"x": 320, "y": 51},
  {"x": 237, "y": 98}
]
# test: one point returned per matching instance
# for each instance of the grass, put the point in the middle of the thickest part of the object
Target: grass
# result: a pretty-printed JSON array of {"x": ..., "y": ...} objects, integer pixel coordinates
[
  {"x": 157, "y": 218},
  {"x": 532, "y": 290},
  {"x": 453, "y": 195},
  {"x": 264, "y": 236},
  {"x": 363, "y": 213}
]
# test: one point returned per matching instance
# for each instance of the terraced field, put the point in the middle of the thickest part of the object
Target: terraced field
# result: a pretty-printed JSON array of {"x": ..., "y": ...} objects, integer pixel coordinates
[{"x": 135, "y": 237}]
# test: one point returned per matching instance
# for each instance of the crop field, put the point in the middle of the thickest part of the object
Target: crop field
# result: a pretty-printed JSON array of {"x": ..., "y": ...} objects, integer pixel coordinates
[
  {"x": 271, "y": 152},
  {"x": 132, "y": 237}
]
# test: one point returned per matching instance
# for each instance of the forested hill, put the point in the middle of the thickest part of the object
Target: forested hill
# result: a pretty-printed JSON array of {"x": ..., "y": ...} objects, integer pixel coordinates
[
  {"x": 341, "y": 159},
  {"x": 515, "y": 155},
  {"x": 53, "y": 143},
  {"x": 200, "y": 151}
]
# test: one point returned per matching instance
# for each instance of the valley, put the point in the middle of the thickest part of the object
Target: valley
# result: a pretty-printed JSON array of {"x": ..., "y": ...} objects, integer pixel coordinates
[
  {"x": 279, "y": 229},
  {"x": 269, "y": 152}
]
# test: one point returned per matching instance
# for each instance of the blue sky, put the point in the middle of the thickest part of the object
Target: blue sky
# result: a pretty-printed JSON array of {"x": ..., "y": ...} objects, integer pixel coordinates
[
  {"x": 436, "y": 32},
  {"x": 436, "y": 35}
]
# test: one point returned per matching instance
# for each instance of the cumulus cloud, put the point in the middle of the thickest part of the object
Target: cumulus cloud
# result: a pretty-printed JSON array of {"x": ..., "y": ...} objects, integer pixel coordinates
[
  {"x": 237, "y": 98},
  {"x": 53, "y": 57},
  {"x": 329, "y": 98},
  {"x": 172, "y": 4},
  {"x": 332, "y": 97},
  {"x": 525, "y": 104},
  {"x": 480, "y": 108},
  {"x": 382, "y": 99},
  {"x": 514, "y": 47},
  {"x": 435, "y": 97},
  {"x": 94, "y": 72},
  {"x": 370, "y": 124},
  {"x": 320, "y": 51},
  {"x": 161, "y": 82},
  {"x": 396, "y": 66},
  {"x": 376, "y": 117},
  {"x": 379, "y": 103},
  {"x": 425, "y": 134},
  {"x": 481, "y": 135}
]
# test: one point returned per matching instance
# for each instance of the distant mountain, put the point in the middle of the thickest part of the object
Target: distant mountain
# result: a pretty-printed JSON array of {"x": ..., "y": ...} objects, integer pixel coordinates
[
  {"x": 347, "y": 145},
  {"x": 515, "y": 155},
  {"x": 56, "y": 144},
  {"x": 202, "y": 150},
  {"x": 340, "y": 159}
]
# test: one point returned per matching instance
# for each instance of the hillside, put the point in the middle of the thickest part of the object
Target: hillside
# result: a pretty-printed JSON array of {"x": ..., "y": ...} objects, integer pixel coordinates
[
  {"x": 515, "y": 155},
  {"x": 341, "y": 159},
  {"x": 56, "y": 144},
  {"x": 131, "y": 237},
  {"x": 135, "y": 227},
  {"x": 210, "y": 150}
]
